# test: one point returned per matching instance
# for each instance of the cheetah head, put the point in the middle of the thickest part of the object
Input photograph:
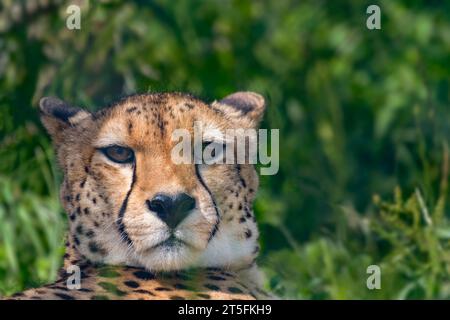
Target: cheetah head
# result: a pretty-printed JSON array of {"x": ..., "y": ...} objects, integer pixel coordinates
[{"x": 129, "y": 203}]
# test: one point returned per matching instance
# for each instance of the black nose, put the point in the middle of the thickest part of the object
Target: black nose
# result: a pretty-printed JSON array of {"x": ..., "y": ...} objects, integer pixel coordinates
[{"x": 172, "y": 209}]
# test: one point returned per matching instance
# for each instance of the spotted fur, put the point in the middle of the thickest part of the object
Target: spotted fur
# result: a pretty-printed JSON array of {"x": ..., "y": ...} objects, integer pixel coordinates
[{"x": 111, "y": 226}]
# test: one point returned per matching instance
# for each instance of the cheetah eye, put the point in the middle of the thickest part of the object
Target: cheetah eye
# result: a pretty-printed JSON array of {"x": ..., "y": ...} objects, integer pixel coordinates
[
  {"x": 205, "y": 144},
  {"x": 213, "y": 152},
  {"x": 118, "y": 154}
]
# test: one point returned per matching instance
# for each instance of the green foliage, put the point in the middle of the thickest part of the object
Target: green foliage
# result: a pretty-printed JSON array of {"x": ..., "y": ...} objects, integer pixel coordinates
[
  {"x": 359, "y": 111},
  {"x": 407, "y": 240},
  {"x": 31, "y": 230}
]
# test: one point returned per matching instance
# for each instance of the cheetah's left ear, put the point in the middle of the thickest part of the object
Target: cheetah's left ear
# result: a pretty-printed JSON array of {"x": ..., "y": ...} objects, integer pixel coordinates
[
  {"x": 57, "y": 115},
  {"x": 245, "y": 104}
]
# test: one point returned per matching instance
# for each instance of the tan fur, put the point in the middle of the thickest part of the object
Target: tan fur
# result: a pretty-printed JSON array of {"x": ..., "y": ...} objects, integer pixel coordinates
[{"x": 221, "y": 233}]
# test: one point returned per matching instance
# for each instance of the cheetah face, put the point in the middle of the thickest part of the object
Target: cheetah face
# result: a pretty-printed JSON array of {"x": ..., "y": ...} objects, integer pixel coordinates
[{"x": 129, "y": 203}]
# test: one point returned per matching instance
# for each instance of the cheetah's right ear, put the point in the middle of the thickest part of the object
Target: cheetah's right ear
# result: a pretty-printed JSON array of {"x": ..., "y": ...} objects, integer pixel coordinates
[
  {"x": 57, "y": 115},
  {"x": 243, "y": 105}
]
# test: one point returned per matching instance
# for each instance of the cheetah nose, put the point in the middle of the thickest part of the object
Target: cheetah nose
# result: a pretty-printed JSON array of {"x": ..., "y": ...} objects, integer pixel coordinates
[{"x": 172, "y": 209}]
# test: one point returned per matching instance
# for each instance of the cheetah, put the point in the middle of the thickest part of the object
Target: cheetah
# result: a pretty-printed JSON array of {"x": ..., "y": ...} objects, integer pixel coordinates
[{"x": 141, "y": 226}]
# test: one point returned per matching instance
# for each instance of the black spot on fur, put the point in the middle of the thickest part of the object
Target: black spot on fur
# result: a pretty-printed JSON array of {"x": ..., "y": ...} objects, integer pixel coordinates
[
  {"x": 213, "y": 269},
  {"x": 144, "y": 292},
  {"x": 60, "y": 288},
  {"x": 64, "y": 296},
  {"x": 79, "y": 229},
  {"x": 131, "y": 284},
  {"x": 94, "y": 247},
  {"x": 234, "y": 290},
  {"x": 212, "y": 287},
  {"x": 226, "y": 274},
  {"x": 182, "y": 276},
  {"x": 216, "y": 278},
  {"x": 163, "y": 289},
  {"x": 241, "y": 179},
  {"x": 248, "y": 214},
  {"x": 90, "y": 234},
  {"x": 19, "y": 294},
  {"x": 144, "y": 275},
  {"x": 180, "y": 286}
]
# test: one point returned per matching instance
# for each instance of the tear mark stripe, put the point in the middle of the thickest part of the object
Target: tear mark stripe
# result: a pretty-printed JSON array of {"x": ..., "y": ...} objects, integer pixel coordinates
[
  {"x": 202, "y": 182},
  {"x": 123, "y": 208}
]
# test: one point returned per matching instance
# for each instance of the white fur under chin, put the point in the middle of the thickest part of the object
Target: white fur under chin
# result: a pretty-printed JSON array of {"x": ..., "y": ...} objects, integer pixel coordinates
[
  {"x": 227, "y": 252},
  {"x": 168, "y": 258}
]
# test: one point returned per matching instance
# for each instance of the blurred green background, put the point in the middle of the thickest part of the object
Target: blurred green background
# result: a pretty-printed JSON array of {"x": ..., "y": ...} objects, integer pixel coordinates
[{"x": 364, "y": 119}]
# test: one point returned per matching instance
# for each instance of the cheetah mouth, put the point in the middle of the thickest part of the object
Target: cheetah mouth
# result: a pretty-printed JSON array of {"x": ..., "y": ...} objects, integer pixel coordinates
[{"x": 171, "y": 242}]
